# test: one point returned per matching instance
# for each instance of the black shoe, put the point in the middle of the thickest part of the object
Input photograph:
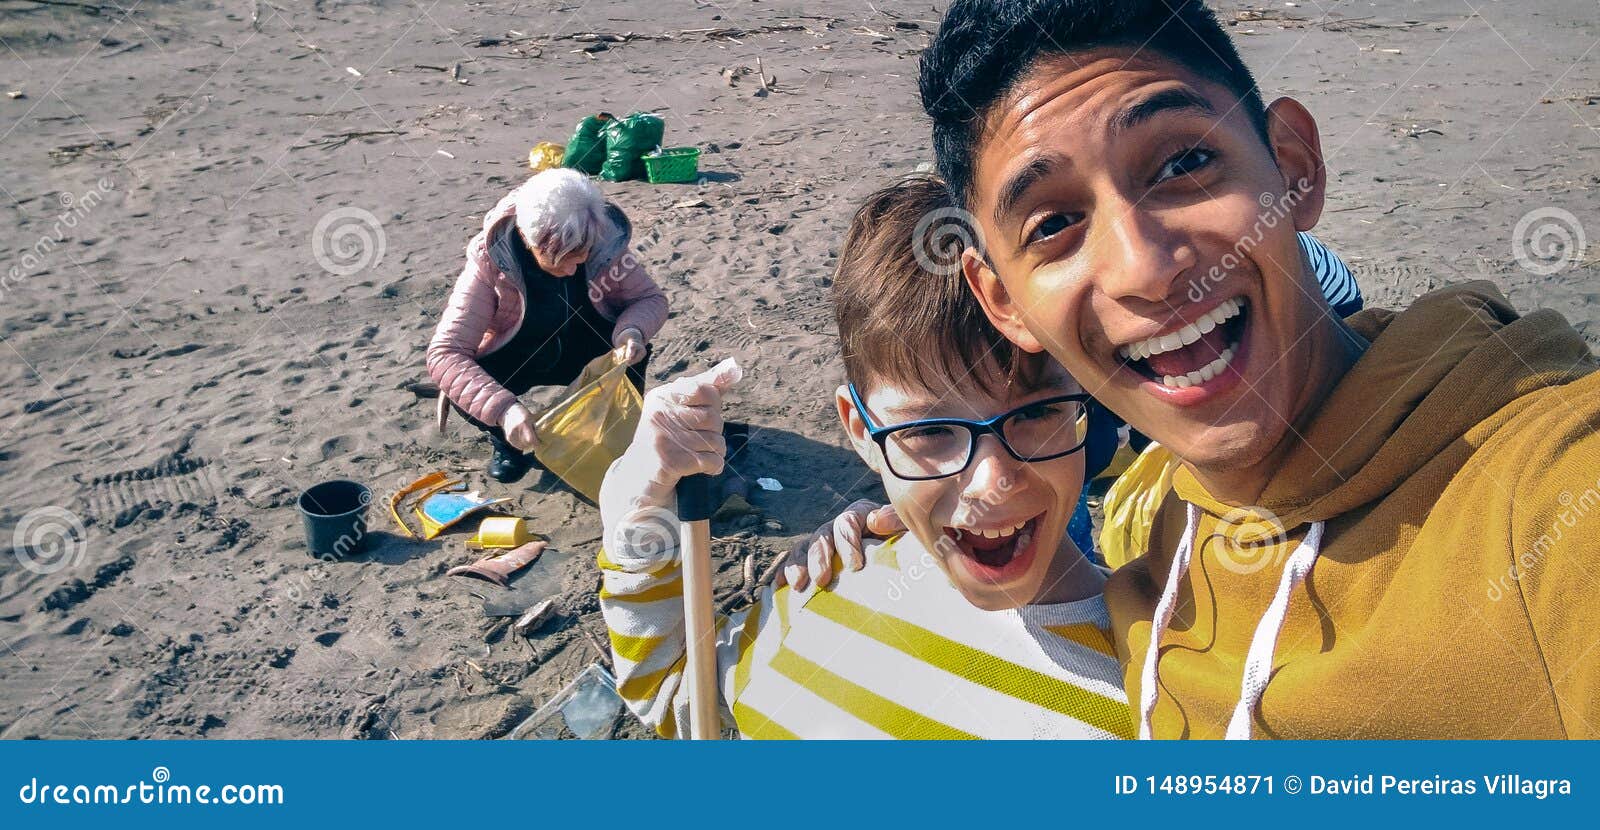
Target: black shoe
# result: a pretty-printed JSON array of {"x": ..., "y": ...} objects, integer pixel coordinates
[{"x": 508, "y": 465}]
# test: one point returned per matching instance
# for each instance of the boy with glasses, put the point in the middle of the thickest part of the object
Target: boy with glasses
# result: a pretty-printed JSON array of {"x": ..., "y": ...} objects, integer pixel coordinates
[{"x": 984, "y": 621}]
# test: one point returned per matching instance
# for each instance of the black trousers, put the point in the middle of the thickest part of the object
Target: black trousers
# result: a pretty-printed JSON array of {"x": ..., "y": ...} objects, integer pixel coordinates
[{"x": 532, "y": 359}]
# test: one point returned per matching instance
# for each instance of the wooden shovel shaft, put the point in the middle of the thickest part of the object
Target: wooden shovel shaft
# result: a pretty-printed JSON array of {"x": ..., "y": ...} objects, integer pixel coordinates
[
  {"x": 694, "y": 513},
  {"x": 704, "y": 717}
]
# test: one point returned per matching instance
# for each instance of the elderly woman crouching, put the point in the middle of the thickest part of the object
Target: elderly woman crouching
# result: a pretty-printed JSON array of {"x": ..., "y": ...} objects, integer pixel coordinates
[{"x": 549, "y": 285}]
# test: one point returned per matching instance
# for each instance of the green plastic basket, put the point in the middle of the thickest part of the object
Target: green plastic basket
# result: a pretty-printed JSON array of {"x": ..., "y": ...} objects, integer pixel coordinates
[{"x": 672, "y": 164}]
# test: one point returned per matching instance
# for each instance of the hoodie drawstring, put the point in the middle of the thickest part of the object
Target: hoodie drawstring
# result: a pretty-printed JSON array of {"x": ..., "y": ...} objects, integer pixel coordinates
[
  {"x": 1158, "y": 626},
  {"x": 1258, "y": 661}
]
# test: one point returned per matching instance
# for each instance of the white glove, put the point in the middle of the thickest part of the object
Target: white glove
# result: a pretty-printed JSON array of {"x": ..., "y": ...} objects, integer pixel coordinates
[
  {"x": 517, "y": 424},
  {"x": 679, "y": 434}
]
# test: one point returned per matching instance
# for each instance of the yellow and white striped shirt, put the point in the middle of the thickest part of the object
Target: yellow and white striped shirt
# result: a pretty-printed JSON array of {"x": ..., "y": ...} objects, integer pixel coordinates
[{"x": 891, "y": 651}]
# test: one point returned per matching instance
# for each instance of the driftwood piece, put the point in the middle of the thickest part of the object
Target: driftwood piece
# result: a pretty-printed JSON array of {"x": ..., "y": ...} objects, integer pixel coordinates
[
  {"x": 594, "y": 640},
  {"x": 536, "y": 616}
]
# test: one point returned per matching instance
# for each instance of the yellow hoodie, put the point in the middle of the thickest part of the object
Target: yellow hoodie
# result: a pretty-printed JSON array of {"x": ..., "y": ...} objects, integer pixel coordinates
[{"x": 1435, "y": 572}]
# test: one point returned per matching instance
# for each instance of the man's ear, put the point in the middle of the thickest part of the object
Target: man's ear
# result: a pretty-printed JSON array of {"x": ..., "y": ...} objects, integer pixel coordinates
[
  {"x": 855, "y": 428},
  {"x": 1298, "y": 148},
  {"x": 1004, "y": 314}
]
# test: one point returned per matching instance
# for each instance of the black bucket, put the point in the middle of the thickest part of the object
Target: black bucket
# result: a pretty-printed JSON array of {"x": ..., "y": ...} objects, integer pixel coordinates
[{"x": 335, "y": 517}]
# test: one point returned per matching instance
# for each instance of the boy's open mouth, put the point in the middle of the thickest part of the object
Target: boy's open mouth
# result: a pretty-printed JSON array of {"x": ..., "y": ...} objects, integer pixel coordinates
[
  {"x": 1194, "y": 355},
  {"x": 996, "y": 553}
]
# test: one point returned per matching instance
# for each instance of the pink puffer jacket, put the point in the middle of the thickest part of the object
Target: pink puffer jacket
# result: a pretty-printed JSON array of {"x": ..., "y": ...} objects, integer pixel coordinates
[{"x": 486, "y": 309}]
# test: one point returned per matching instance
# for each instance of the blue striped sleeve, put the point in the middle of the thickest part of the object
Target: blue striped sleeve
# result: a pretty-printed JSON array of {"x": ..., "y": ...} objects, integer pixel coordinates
[{"x": 1338, "y": 284}]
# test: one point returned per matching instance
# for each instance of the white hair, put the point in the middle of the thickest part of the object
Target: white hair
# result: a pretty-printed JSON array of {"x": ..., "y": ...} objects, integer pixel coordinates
[{"x": 564, "y": 210}]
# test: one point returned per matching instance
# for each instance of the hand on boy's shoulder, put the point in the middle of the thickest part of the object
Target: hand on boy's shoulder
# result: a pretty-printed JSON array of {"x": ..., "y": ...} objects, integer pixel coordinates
[{"x": 842, "y": 545}]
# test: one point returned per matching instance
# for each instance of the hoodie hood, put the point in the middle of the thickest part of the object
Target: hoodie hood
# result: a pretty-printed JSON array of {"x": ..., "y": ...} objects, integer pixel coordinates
[{"x": 1435, "y": 372}]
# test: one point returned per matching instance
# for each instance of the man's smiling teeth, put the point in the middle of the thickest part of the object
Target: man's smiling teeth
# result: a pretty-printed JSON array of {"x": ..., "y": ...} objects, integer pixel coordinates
[
  {"x": 1203, "y": 374},
  {"x": 1185, "y": 336}
]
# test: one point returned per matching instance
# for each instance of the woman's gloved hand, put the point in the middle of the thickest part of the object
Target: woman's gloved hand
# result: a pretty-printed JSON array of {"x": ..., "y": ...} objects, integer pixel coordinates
[
  {"x": 629, "y": 344},
  {"x": 518, "y": 426}
]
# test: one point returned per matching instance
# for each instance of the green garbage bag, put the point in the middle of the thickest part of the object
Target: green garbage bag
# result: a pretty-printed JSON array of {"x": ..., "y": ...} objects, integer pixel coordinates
[
  {"x": 627, "y": 140},
  {"x": 587, "y": 149}
]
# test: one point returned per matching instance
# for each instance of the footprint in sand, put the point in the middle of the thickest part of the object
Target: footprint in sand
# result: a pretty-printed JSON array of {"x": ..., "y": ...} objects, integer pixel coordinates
[{"x": 334, "y": 447}]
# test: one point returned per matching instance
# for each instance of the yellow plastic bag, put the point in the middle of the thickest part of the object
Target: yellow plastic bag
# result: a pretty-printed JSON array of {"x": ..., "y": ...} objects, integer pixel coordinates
[
  {"x": 545, "y": 155},
  {"x": 1131, "y": 505},
  {"x": 590, "y": 426}
]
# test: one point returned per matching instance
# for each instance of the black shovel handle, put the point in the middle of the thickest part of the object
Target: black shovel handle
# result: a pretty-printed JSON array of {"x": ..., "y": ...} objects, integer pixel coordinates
[{"x": 694, "y": 498}]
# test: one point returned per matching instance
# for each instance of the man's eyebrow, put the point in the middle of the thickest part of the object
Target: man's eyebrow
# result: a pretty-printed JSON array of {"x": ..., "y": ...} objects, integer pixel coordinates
[
  {"x": 1179, "y": 98},
  {"x": 1018, "y": 185}
]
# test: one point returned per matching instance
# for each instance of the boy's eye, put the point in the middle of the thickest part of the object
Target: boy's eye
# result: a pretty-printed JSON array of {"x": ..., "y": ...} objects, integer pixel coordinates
[
  {"x": 1051, "y": 225},
  {"x": 1042, "y": 413},
  {"x": 1185, "y": 163},
  {"x": 1033, "y": 412},
  {"x": 928, "y": 442}
]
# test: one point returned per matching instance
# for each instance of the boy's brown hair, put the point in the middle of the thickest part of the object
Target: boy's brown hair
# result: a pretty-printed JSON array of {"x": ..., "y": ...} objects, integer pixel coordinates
[{"x": 904, "y": 312}]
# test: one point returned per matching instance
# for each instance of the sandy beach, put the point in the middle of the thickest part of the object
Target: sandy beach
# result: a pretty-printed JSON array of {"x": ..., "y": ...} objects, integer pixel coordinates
[{"x": 229, "y": 229}]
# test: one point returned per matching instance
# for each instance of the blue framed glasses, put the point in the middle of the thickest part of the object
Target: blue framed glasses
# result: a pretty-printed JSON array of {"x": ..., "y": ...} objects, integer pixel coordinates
[{"x": 933, "y": 448}]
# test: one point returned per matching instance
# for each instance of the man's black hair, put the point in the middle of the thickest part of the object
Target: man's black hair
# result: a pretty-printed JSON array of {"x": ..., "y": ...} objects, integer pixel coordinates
[{"x": 985, "y": 46}]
